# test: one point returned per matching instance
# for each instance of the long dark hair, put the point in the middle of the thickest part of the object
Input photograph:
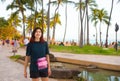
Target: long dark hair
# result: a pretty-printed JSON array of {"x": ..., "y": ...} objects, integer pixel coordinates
[{"x": 33, "y": 35}]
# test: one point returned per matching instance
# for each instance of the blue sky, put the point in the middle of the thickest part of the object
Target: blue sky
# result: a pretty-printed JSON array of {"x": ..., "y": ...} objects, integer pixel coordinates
[{"x": 72, "y": 31}]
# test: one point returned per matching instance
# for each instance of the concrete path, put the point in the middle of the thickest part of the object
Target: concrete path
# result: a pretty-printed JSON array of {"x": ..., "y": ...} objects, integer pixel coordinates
[
  {"x": 11, "y": 70},
  {"x": 101, "y": 61}
]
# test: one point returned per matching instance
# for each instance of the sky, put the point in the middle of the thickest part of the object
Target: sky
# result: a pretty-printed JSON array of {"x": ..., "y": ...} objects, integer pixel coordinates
[{"x": 72, "y": 28}]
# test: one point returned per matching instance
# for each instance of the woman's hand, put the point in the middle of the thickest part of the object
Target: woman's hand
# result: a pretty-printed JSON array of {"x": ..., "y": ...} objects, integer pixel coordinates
[
  {"x": 49, "y": 71},
  {"x": 25, "y": 74}
]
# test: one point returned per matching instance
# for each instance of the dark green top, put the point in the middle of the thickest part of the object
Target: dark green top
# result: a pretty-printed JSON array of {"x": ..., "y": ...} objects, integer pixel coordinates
[{"x": 36, "y": 50}]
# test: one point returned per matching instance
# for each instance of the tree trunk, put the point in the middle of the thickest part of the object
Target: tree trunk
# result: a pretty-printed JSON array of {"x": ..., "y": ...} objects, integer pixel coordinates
[
  {"x": 100, "y": 35},
  {"x": 65, "y": 23},
  {"x": 42, "y": 17},
  {"x": 22, "y": 12},
  {"x": 106, "y": 43},
  {"x": 53, "y": 36},
  {"x": 87, "y": 22},
  {"x": 96, "y": 37},
  {"x": 48, "y": 23},
  {"x": 35, "y": 14},
  {"x": 81, "y": 33}
]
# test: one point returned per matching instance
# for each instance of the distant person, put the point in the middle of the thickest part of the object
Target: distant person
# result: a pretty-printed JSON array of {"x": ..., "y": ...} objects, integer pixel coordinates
[
  {"x": 7, "y": 42},
  {"x": 3, "y": 42},
  {"x": 26, "y": 41},
  {"x": 15, "y": 46},
  {"x": 37, "y": 51},
  {"x": 0, "y": 43},
  {"x": 61, "y": 44}
]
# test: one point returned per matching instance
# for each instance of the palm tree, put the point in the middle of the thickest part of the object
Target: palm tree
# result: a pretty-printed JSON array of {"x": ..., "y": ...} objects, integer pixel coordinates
[
  {"x": 93, "y": 17},
  {"x": 42, "y": 16},
  {"x": 81, "y": 18},
  {"x": 19, "y": 5},
  {"x": 102, "y": 17},
  {"x": 56, "y": 19},
  {"x": 30, "y": 23},
  {"x": 3, "y": 22},
  {"x": 14, "y": 20},
  {"x": 66, "y": 3},
  {"x": 58, "y": 2},
  {"x": 48, "y": 22},
  {"x": 89, "y": 3},
  {"x": 106, "y": 43},
  {"x": 81, "y": 7}
]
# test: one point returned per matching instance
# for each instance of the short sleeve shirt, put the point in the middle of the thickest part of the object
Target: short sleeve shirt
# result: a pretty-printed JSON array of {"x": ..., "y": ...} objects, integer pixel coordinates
[{"x": 36, "y": 50}]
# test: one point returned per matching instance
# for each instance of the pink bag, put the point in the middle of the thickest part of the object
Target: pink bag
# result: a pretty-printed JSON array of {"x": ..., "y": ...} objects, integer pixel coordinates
[{"x": 42, "y": 63}]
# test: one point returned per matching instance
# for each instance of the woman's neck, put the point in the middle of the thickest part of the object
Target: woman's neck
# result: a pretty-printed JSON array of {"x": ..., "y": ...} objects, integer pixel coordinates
[{"x": 37, "y": 39}]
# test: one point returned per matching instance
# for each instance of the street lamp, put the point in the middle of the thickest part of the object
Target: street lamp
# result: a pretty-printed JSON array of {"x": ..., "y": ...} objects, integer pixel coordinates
[{"x": 116, "y": 29}]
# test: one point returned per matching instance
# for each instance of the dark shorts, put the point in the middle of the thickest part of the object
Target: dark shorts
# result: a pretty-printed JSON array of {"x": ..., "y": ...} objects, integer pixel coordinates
[{"x": 38, "y": 74}]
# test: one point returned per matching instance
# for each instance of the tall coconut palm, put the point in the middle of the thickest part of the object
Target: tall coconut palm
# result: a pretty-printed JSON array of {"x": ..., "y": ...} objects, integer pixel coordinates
[
  {"x": 36, "y": 8},
  {"x": 103, "y": 18},
  {"x": 30, "y": 24},
  {"x": 3, "y": 22},
  {"x": 56, "y": 19},
  {"x": 106, "y": 42},
  {"x": 81, "y": 7},
  {"x": 93, "y": 17},
  {"x": 19, "y": 6},
  {"x": 58, "y": 2},
  {"x": 42, "y": 16},
  {"x": 89, "y": 4},
  {"x": 14, "y": 20},
  {"x": 81, "y": 18},
  {"x": 66, "y": 2},
  {"x": 48, "y": 22}
]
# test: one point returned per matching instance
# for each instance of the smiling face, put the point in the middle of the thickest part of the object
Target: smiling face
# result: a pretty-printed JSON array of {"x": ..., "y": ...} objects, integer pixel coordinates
[{"x": 38, "y": 34}]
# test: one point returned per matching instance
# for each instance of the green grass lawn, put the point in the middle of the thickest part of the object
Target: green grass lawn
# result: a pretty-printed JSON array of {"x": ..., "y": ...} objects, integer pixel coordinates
[{"x": 85, "y": 50}]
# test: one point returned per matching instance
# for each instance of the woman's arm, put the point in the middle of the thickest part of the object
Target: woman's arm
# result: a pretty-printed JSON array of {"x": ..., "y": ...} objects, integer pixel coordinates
[
  {"x": 48, "y": 60},
  {"x": 25, "y": 65}
]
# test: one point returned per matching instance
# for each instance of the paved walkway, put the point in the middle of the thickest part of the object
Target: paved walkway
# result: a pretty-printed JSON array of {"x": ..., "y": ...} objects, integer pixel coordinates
[
  {"x": 13, "y": 71},
  {"x": 101, "y": 61},
  {"x": 10, "y": 70}
]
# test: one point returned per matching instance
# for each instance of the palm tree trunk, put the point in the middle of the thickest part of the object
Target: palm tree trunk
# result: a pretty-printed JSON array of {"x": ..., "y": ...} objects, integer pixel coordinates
[
  {"x": 96, "y": 37},
  {"x": 42, "y": 17},
  {"x": 48, "y": 23},
  {"x": 23, "y": 25},
  {"x": 35, "y": 14},
  {"x": 106, "y": 43},
  {"x": 85, "y": 31},
  {"x": 22, "y": 12},
  {"x": 84, "y": 17},
  {"x": 53, "y": 36},
  {"x": 81, "y": 33},
  {"x": 65, "y": 23},
  {"x": 100, "y": 35},
  {"x": 87, "y": 22}
]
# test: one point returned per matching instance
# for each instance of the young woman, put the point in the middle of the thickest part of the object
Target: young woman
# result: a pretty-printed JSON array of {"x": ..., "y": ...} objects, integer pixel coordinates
[{"x": 37, "y": 51}]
